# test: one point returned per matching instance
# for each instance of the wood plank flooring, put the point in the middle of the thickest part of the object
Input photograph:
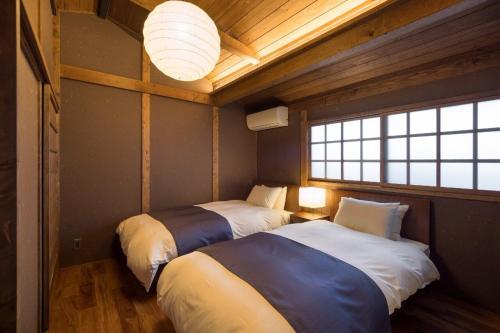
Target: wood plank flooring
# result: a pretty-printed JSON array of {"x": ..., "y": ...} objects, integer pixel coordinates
[{"x": 104, "y": 296}]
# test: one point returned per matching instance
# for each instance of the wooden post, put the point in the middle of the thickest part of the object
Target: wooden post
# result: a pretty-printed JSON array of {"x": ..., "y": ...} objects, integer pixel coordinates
[
  {"x": 145, "y": 130},
  {"x": 215, "y": 153},
  {"x": 56, "y": 51},
  {"x": 304, "y": 141}
]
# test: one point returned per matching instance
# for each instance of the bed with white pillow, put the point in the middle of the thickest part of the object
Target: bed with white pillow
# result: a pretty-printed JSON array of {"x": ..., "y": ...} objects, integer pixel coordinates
[
  {"x": 148, "y": 243},
  {"x": 214, "y": 290}
]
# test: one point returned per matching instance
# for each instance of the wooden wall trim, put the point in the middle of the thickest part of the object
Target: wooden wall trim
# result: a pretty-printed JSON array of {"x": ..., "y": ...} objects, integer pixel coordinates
[
  {"x": 215, "y": 153},
  {"x": 53, "y": 7},
  {"x": 146, "y": 136},
  {"x": 394, "y": 189},
  {"x": 469, "y": 62},
  {"x": 56, "y": 52},
  {"x": 432, "y": 103},
  {"x": 398, "y": 20},
  {"x": 32, "y": 48},
  {"x": 304, "y": 142},
  {"x": 116, "y": 81},
  {"x": 466, "y": 194}
]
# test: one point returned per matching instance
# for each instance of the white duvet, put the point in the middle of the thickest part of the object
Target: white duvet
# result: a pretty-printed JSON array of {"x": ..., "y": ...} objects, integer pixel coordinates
[
  {"x": 147, "y": 243},
  {"x": 200, "y": 295}
]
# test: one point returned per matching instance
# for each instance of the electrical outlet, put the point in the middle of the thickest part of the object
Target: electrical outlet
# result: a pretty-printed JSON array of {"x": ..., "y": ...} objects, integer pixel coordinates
[{"x": 77, "y": 243}]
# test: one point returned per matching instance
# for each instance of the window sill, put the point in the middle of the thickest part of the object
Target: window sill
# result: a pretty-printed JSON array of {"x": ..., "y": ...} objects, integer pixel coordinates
[{"x": 476, "y": 195}]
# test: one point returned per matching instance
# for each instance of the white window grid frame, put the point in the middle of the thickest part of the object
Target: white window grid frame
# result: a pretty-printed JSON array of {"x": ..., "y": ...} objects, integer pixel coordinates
[{"x": 384, "y": 141}]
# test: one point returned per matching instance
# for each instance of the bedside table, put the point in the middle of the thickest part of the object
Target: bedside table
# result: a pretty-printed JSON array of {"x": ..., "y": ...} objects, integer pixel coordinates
[{"x": 300, "y": 217}]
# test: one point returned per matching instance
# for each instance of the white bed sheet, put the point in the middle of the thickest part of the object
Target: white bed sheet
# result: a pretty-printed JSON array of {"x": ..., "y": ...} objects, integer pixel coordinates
[
  {"x": 147, "y": 243},
  {"x": 399, "y": 268},
  {"x": 200, "y": 295}
]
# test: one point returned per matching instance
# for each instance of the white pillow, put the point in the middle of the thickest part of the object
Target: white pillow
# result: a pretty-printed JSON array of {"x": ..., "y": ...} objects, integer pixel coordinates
[
  {"x": 280, "y": 202},
  {"x": 397, "y": 221},
  {"x": 264, "y": 196},
  {"x": 368, "y": 216},
  {"x": 421, "y": 246}
]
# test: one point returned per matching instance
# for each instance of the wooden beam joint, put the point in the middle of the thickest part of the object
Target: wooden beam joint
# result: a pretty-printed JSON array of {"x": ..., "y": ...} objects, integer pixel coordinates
[
  {"x": 236, "y": 47},
  {"x": 116, "y": 81}
]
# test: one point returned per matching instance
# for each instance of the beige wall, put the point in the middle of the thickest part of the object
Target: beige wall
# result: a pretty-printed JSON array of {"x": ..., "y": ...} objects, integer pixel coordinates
[
  {"x": 238, "y": 154},
  {"x": 181, "y": 153},
  {"x": 100, "y": 166},
  {"x": 101, "y": 142}
]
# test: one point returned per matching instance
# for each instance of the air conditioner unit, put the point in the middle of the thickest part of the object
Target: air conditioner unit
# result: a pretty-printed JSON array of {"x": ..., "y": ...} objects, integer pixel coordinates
[{"x": 270, "y": 118}]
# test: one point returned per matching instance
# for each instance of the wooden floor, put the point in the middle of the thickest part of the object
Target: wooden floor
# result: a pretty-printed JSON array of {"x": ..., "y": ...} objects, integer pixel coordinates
[{"x": 104, "y": 296}]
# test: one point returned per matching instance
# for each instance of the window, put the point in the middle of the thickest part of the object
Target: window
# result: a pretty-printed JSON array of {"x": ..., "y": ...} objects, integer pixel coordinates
[
  {"x": 411, "y": 148},
  {"x": 449, "y": 147},
  {"x": 348, "y": 150}
]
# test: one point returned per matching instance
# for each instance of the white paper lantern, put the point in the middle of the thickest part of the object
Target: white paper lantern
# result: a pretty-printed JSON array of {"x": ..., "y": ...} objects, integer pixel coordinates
[{"x": 182, "y": 40}]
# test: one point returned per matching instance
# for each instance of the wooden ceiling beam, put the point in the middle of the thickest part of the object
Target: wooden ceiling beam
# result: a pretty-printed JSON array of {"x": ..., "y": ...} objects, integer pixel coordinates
[
  {"x": 394, "y": 61},
  {"x": 236, "y": 47},
  {"x": 345, "y": 13},
  {"x": 470, "y": 62},
  {"x": 395, "y": 21},
  {"x": 468, "y": 32},
  {"x": 116, "y": 81}
]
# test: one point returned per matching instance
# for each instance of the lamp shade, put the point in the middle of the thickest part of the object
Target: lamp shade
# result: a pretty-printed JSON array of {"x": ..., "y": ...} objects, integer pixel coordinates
[
  {"x": 312, "y": 197},
  {"x": 181, "y": 40}
]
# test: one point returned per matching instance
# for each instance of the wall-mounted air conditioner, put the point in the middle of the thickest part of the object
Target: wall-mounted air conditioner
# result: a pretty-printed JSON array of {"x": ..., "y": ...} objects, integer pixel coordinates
[{"x": 270, "y": 118}]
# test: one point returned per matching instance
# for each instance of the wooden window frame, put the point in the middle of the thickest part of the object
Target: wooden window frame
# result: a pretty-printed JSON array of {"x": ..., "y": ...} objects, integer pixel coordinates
[
  {"x": 361, "y": 160},
  {"x": 383, "y": 186}
]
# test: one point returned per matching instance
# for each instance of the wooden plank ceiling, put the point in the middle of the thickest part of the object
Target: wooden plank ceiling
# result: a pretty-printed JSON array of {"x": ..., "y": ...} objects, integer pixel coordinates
[
  {"x": 292, "y": 50},
  {"x": 473, "y": 32},
  {"x": 254, "y": 32},
  {"x": 271, "y": 28}
]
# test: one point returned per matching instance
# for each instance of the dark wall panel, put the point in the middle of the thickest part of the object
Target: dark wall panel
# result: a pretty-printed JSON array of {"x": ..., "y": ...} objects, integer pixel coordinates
[
  {"x": 464, "y": 233},
  {"x": 181, "y": 153},
  {"x": 467, "y": 84},
  {"x": 464, "y": 237},
  {"x": 100, "y": 166},
  {"x": 8, "y": 165},
  {"x": 238, "y": 154},
  {"x": 93, "y": 43},
  {"x": 278, "y": 157}
]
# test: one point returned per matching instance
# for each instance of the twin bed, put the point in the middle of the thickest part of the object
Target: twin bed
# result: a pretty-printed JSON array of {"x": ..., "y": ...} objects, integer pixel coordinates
[
  {"x": 318, "y": 276},
  {"x": 151, "y": 240}
]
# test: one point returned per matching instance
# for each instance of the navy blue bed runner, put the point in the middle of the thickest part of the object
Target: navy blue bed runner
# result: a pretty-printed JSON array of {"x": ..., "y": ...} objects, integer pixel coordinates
[
  {"x": 193, "y": 227},
  {"x": 313, "y": 291}
]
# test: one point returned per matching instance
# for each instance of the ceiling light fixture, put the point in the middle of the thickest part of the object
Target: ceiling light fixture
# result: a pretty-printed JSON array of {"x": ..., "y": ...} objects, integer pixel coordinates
[{"x": 181, "y": 40}]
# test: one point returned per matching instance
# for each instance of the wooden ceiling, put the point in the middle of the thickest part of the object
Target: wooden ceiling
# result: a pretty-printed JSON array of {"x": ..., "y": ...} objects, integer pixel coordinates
[
  {"x": 272, "y": 28},
  {"x": 254, "y": 33},
  {"x": 292, "y": 50},
  {"x": 470, "y": 32}
]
